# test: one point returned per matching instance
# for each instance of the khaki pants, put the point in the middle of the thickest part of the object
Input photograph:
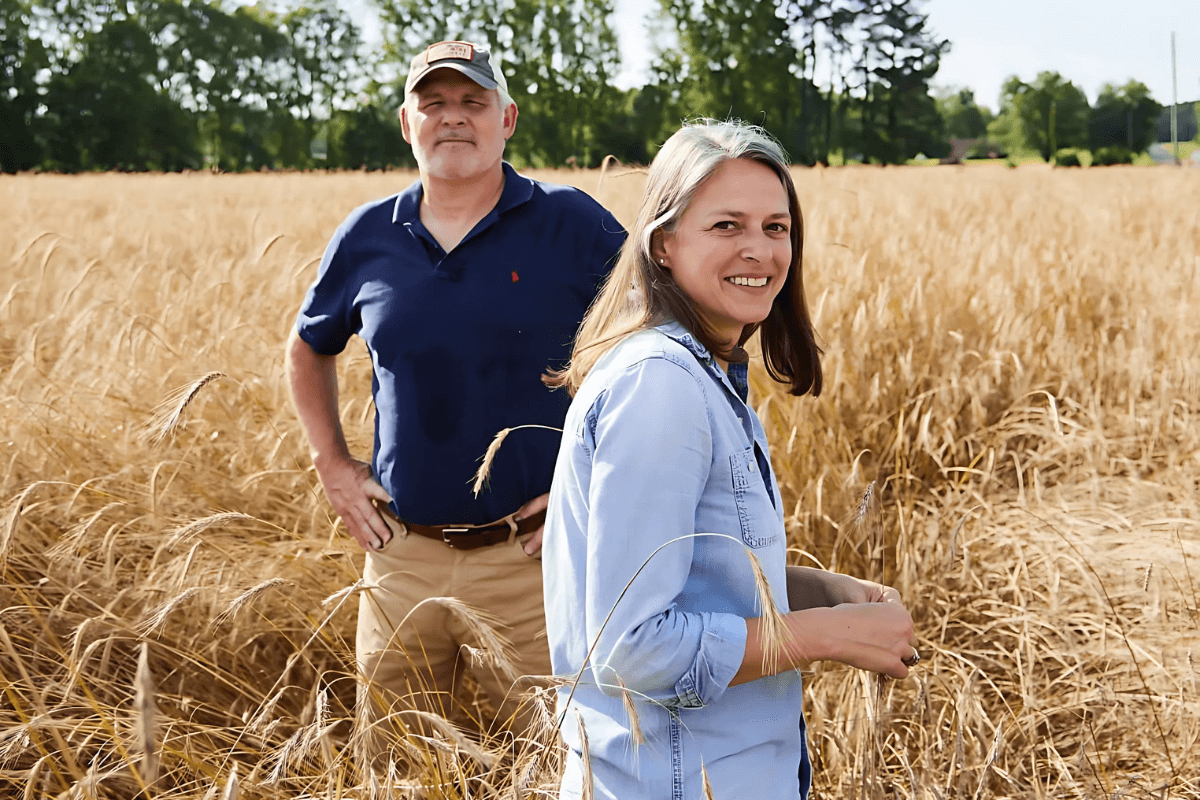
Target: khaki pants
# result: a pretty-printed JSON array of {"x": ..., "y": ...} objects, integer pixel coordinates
[{"x": 412, "y": 649}]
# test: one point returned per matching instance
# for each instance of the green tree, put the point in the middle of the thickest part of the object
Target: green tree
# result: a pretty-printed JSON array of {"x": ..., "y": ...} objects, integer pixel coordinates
[
  {"x": 324, "y": 45},
  {"x": 1124, "y": 117},
  {"x": 21, "y": 57},
  {"x": 105, "y": 111},
  {"x": 963, "y": 118},
  {"x": 902, "y": 55},
  {"x": 1052, "y": 113},
  {"x": 231, "y": 70},
  {"x": 736, "y": 59},
  {"x": 366, "y": 137}
]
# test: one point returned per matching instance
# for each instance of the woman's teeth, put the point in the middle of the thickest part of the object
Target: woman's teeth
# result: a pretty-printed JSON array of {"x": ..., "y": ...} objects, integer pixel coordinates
[{"x": 742, "y": 281}]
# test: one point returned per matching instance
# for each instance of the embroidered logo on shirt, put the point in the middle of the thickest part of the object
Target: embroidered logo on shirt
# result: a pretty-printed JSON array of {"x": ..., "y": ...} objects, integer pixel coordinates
[{"x": 516, "y": 277}]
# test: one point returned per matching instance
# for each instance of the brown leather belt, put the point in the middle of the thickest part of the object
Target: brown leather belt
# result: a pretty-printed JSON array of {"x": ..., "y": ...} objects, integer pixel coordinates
[{"x": 468, "y": 537}]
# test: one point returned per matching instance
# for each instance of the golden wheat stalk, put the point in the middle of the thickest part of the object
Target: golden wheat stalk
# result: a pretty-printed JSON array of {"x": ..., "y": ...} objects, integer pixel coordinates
[
  {"x": 15, "y": 509},
  {"x": 705, "y": 783},
  {"x": 166, "y": 418},
  {"x": 635, "y": 726},
  {"x": 482, "y": 625},
  {"x": 341, "y": 595},
  {"x": 146, "y": 716},
  {"x": 69, "y": 544},
  {"x": 246, "y": 598},
  {"x": 585, "y": 756},
  {"x": 33, "y": 779},
  {"x": 231, "y": 791},
  {"x": 197, "y": 526},
  {"x": 452, "y": 734},
  {"x": 485, "y": 468},
  {"x": 772, "y": 628},
  {"x": 154, "y": 623}
]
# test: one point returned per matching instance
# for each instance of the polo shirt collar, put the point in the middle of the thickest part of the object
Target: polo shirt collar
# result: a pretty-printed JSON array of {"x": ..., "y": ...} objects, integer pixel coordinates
[{"x": 518, "y": 190}]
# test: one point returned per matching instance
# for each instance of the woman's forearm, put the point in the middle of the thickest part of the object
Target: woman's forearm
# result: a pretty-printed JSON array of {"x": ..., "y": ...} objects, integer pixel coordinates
[
  {"x": 817, "y": 588},
  {"x": 871, "y": 636}
]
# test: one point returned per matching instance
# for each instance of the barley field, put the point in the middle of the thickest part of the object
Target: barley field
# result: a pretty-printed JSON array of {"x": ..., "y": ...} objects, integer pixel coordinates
[{"x": 1009, "y": 434}]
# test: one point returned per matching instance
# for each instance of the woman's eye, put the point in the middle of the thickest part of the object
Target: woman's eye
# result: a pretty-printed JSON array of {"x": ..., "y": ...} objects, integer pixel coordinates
[
  {"x": 725, "y": 225},
  {"x": 778, "y": 227}
]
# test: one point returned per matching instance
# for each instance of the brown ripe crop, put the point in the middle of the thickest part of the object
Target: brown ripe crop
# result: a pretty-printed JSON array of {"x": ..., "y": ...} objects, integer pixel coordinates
[{"x": 1012, "y": 363}]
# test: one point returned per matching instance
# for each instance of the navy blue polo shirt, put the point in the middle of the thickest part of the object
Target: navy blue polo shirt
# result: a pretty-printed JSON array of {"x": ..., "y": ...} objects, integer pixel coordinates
[{"x": 459, "y": 341}]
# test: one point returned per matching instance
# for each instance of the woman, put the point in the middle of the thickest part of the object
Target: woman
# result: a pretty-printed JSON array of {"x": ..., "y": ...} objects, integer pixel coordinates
[{"x": 663, "y": 464}]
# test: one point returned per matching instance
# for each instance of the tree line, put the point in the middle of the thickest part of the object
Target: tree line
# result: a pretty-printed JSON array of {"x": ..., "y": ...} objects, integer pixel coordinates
[
  {"x": 189, "y": 84},
  {"x": 1052, "y": 117}
]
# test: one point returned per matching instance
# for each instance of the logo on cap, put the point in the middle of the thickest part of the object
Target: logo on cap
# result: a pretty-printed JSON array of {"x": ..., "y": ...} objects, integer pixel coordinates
[{"x": 441, "y": 50}]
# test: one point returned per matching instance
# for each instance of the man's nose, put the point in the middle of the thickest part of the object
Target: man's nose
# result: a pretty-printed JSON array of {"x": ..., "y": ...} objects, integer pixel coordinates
[{"x": 453, "y": 114}]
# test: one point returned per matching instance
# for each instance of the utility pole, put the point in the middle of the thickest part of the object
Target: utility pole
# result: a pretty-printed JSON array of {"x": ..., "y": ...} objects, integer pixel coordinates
[{"x": 1174, "y": 105}]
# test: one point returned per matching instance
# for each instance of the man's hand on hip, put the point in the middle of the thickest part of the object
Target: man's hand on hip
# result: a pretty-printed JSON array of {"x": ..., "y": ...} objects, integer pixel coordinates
[
  {"x": 351, "y": 490},
  {"x": 539, "y": 503}
]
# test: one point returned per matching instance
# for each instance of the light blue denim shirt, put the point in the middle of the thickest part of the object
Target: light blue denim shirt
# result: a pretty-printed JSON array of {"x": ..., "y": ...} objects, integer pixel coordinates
[{"x": 660, "y": 447}]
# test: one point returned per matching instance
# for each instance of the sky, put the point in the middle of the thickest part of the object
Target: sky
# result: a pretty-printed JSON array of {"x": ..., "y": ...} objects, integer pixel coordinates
[{"x": 1090, "y": 42}]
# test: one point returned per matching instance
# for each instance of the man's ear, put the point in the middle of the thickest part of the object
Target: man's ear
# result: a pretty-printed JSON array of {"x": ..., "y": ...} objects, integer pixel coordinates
[
  {"x": 510, "y": 120},
  {"x": 403, "y": 113}
]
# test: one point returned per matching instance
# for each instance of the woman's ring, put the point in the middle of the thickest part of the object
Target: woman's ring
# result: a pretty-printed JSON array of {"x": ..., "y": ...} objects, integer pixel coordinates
[{"x": 912, "y": 660}]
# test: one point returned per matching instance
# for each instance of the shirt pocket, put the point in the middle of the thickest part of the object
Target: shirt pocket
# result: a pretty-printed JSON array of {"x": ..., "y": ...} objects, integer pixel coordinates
[{"x": 756, "y": 513}]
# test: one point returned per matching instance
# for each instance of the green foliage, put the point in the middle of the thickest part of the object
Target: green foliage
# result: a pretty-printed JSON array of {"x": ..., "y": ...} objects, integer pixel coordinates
[
  {"x": 735, "y": 59},
  {"x": 21, "y": 56},
  {"x": 963, "y": 118},
  {"x": 1113, "y": 154},
  {"x": 900, "y": 118},
  {"x": 759, "y": 61},
  {"x": 179, "y": 84},
  {"x": 1125, "y": 116},
  {"x": 1067, "y": 158},
  {"x": 366, "y": 138},
  {"x": 1052, "y": 112}
]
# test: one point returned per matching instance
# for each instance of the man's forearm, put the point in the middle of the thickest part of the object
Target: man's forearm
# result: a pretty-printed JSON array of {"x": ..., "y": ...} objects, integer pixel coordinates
[{"x": 312, "y": 379}]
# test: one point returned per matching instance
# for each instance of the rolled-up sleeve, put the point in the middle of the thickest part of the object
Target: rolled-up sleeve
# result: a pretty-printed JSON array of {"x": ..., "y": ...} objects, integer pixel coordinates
[{"x": 651, "y": 458}]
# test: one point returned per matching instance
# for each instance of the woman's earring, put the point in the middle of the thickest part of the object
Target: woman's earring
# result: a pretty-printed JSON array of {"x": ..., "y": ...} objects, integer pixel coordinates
[{"x": 662, "y": 262}]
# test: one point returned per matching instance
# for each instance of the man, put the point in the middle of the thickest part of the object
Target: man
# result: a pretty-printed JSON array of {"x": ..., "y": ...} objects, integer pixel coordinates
[{"x": 465, "y": 288}]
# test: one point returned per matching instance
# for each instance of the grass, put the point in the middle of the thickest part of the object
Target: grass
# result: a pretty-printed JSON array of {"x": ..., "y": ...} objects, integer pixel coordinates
[{"x": 1011, "y": 358}]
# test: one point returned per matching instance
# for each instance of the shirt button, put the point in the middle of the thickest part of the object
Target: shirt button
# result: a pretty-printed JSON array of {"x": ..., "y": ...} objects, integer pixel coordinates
[{"x": 752, "y": 466}]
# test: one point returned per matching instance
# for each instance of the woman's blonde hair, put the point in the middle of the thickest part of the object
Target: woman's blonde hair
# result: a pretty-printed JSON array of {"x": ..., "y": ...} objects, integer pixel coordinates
[{"x": 640, "y": 293}]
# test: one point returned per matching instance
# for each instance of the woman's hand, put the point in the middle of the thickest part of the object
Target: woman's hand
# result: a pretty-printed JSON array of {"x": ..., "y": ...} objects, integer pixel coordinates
[
  {"x": 812, "y": 588},
  {"x": 876, "y": 636},
  {"x": 861, "y": 591}
]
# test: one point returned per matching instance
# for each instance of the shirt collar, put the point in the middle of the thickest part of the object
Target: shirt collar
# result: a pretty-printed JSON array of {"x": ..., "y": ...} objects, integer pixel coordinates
[
  {"x": 738, "y": 376},
  {"x": 676, "y": 331},
  {"x": 518, "y": 190}
]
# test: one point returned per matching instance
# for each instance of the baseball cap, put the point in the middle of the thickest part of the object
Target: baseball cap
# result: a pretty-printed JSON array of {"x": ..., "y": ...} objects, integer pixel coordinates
[{"x": 470, "y": 59}]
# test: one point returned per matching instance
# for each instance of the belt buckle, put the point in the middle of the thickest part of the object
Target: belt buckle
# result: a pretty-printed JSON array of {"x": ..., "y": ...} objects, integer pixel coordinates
[{"x": 447, "y": 534}]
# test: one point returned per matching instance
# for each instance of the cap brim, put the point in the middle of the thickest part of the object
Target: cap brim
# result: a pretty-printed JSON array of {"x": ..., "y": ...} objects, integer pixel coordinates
[{"x": 466, "y": 69}]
